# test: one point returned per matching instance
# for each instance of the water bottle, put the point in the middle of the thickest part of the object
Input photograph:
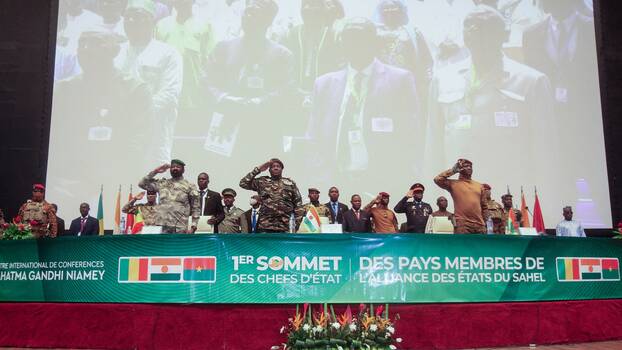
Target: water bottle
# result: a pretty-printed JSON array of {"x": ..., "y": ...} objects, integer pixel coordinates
[
  {"x": 292, "y": 223},
  {"x": 122, "y": 228},
  {"x": 489, "y": 227}
]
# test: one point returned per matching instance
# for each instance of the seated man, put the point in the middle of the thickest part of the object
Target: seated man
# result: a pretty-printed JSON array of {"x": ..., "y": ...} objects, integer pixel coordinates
[{"x": 569, "y": 227}]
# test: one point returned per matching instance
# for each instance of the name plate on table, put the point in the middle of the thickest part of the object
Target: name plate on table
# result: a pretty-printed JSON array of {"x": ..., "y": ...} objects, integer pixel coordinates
[
  {"x": 202, "y": 225},
  {"x": 332, "y": 228},
  {"x": 439, "y": 224},
  {"x": 151, "y": 230}
]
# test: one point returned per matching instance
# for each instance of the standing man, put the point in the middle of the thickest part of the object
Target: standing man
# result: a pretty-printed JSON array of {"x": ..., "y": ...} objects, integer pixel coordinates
[
  {"x": 335, "y": 207},
  {"x": 85, "y": 225},
  {"x": 494, "y": 211},
  {"x": 383, "y": 218},
  {"x": 506, "y": 199},
  {"x": 569, "y": 227},
  {"x": 417, "y": 211},
  {"x": 148, "y": 210},
  {"x": 210, "y": 202},
  {"x": 60, "y": 223},
  {"x": 279, "y": 195},
  {"x": 157, "y": 64},
  {"x": 252, "y": 214},
  {"x": 179, "y": 198},
  {"x": 39, "y": 214},
  {"x": 314, "y": 201},
  {"x": 468, "y": 196},
  {"x": 356, "y": 220},
  {"x": 234, "y": 221}
]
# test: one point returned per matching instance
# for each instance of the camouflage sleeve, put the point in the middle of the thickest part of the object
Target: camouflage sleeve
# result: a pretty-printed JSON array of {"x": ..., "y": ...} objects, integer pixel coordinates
[
  {"x": 299, "y": 209},
  {"x": 129, "y": 207},
  {"x": 149, "y": 183},
  {"x": 249, "y": 182},
  {"x": 53, "y": 223},
  {"x": 243, "y": 223},
  {"x": 195, "y": 206},
  {"x": 20, "y": 213}
]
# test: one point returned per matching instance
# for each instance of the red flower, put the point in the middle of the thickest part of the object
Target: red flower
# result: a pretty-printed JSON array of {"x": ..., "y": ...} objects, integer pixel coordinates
[
  {"x": 17, "y": 219},
  {"x": 361, "y": 308},
  {"x": 20, "y": 227},
  {"x": 379, "y": 310},
  {"x": 6, "y": 225},
  {"x": 34, "y": 223}
]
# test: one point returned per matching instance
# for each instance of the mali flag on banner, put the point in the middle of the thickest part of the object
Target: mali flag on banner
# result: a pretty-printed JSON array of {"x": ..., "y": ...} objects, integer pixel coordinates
[
  {"x": 133, "y": 269},
  {"x": 200, "y": 269},
  {"x": 165, "y": 269},
  {"x": 588, "y": 269},
  {"x": 100, "y": 211},
  {"x": 311, "y": 221}
]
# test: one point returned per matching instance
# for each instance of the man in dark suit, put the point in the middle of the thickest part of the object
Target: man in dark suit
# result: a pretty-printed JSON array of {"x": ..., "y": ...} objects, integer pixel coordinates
[
  {"x": 247, "y": 79},
  {"x": 563, "y": 46},
  {"x": 356, "y": 220},
  {"x": 336, "y": 208},
  {"x": 85, "y": 225},
  {"x": 416, "y": 210},
  {"x": 252, "y": 215},
  {"x": 211, "y": 202},
  {"x": 60, "y": 223},
  {"x": 360, "y": 110}
]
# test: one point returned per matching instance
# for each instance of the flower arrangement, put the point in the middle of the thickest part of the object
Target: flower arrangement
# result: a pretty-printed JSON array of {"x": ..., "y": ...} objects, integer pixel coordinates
[
  {"x": 327, "y": 331},
  {"x": 617, "y": 234},
  {"x": 18, "y": 230}
]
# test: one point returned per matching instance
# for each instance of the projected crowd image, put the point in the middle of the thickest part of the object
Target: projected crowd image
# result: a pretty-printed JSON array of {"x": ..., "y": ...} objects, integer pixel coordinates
[{"x": 367, "y": 95}]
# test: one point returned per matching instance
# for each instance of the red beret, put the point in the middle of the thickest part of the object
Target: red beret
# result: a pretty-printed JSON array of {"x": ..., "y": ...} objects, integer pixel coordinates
[
  {"x": 417, "y": 187},
  {"x": 38, "y": 187},
  {"x": 384, "y": 194},
  {"x": 486, "y": 186}
]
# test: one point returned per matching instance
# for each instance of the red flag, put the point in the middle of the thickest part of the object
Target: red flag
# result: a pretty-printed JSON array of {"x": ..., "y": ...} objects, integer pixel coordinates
[
  {"x": 538, "y": 220},
  {"x": 524, "y": 210}
]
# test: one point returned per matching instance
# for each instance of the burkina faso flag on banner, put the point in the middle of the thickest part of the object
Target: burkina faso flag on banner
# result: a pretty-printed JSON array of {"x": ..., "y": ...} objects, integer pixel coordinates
[
  {"x": 611, "y": 269},
  {"x": 200, "y": 269}
]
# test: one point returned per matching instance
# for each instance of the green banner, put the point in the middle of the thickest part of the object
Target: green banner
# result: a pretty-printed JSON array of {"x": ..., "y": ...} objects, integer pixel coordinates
[{"x": 280, "y": 268}]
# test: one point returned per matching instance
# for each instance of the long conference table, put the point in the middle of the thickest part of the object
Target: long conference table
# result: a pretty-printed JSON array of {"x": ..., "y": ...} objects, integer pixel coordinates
[{"x": 237, "y": 291}]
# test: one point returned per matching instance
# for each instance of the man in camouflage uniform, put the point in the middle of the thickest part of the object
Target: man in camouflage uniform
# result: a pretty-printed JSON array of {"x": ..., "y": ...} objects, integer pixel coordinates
[
  {"x": 148, "y": 210},
  {"x": 234, "y": 221},
  {"x": 493, "y": 211},
  {"x": 179, "y": 199},
  {"x": 280, "y": 197},
  {"x": 39, "y": 214},
  {"x": 508, "y": 205},
  {"x": 322, "y": 210}
]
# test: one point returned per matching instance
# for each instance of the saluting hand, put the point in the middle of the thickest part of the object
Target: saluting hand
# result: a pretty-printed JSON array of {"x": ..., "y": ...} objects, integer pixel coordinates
[
  {"x": 139, "y": 196},
  {"x": 265, "y": 166},
  {"x": 410, "y": 193},
  {"x": 162, "y": 168}
]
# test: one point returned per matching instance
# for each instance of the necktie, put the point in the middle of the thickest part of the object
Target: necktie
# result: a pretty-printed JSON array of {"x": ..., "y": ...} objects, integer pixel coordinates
[
  {"x": 82, "y": 224},
  {"x": 358, "y": 215},
  {"x": 254, "y": 220},
  {"x": 201, "y": 194},
  {"x": 335, "y": 208},
  {"x": 349, "y": 121}
]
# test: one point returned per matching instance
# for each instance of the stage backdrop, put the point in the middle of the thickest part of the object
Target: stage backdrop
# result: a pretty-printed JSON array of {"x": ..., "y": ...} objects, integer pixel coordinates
[
  {"x": 223, "y": 106},
  {"x": 310, "y": 268}
]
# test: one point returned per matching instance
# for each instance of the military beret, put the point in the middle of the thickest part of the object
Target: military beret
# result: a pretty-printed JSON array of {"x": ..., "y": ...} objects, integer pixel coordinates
[
  {"x": 147, "y": 5},
  {"x": 506, "y": 196},
  {"x": 313, "y": 189},
  {"x": 229, "y": 192},
  {"x": 486, "y": 186},
  {"x": 178, "y": 162},
  {"x": 39, "y": 187},
  {"x": 152, "y": 192},
  {"x": 417, "y": 187},
  {"x": 384, "y": 194},
  {"x": 277, "y": 160},
  {"x": 466, "y": 161}
]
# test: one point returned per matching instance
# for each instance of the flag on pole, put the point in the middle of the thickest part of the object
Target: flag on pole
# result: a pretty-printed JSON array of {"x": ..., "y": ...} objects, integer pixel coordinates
[
  {"x": 524, "y": 210},
  {"x": 511, "y": 226},
  {"x": 100, "y": 211},
  {"x": 129, "y": 221},
  {"x": 138, "y": 222},
  {"x": 311, "y": 221},
  {"x": 117, "y": 214},
  {"x": 538, "y": 220}
]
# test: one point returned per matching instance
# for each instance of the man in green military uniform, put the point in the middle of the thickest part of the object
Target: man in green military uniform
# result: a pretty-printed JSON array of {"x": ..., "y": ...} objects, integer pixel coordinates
[
  {"x": 322, "y": 210},
  {"x": 39, "y": 214},
  {"x": 280, "y": 197},
  {"x": 148, "y": 210},
  {"x": 179, "y": 199},
  {"x": 234, "y": 221},
  {"x": 494, "y": 211}
]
